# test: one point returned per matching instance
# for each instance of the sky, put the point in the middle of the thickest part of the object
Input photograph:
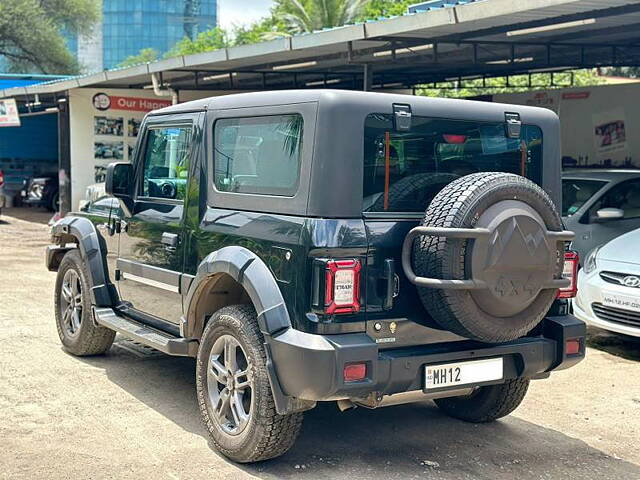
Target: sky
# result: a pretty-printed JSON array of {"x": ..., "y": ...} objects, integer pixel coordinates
[{"x": 242, "y": 12}]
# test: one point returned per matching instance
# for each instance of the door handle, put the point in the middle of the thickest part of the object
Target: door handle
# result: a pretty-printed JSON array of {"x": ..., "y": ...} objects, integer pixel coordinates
[{"x": 170, "y": 241}]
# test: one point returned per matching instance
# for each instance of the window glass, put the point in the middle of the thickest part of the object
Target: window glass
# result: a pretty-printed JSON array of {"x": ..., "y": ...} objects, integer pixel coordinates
[
  {"x": 403, "y": 171},
  {"x": 166, "y": 162},
  {"x": 625, "y": 196},
  {"x": 258, "y": 155},
  {"x": 576, "y": 192}
]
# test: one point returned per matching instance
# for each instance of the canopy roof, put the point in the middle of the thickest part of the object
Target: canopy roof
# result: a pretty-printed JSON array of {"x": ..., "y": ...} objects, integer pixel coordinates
[{"x": 463, "y": 39}]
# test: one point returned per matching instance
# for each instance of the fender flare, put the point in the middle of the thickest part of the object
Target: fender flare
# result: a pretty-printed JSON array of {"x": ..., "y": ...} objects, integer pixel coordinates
[
  {"x": 252, "y": 273},
  {"x": 93, "y": 252},
  {"x": 246, "y": 268}
]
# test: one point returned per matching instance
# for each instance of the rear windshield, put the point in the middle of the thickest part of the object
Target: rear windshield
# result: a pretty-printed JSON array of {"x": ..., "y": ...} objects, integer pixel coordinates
[
  {"x": 403, "y": 171},
  {"x": 576, "y": 192}
]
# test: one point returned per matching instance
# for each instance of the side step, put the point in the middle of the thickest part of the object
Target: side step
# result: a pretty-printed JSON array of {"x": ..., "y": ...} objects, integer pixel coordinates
[{"x": 151, "y": 337}]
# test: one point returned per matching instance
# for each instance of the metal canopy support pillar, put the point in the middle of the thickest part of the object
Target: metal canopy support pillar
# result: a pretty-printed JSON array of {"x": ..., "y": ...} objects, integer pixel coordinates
[
  {"x": 64, "y": 155},
  {"x": 368, "y": 78}
]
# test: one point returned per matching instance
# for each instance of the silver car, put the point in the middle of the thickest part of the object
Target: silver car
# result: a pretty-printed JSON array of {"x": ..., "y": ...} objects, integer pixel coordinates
[{"x": 599, "y": 205}]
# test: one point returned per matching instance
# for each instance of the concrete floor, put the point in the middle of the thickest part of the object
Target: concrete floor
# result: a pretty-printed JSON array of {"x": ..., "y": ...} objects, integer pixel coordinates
[{"x": 133, "y": 412}]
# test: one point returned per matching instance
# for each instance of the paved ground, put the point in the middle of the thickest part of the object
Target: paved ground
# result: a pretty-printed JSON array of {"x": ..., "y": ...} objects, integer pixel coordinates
[{"x": 133, "y": 414}]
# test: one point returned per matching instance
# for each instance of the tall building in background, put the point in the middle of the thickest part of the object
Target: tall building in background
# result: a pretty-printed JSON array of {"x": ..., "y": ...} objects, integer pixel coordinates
[{"x": 128, "y": 26}]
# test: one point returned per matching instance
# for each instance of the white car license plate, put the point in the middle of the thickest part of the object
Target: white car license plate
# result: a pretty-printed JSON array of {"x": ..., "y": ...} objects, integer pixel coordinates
[
  {"x": 621, "y": 301},
  {"x": 463, "y": 373}
]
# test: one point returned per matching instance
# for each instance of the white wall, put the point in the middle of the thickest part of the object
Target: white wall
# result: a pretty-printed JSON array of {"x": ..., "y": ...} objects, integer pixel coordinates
[
  {"x": 83, "y": 114},
  {"x": 582, "y": 110}
]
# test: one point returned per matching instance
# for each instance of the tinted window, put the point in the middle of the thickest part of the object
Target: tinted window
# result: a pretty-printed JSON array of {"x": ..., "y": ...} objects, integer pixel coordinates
[
  {"x": 166, "y": 162},
  {"x": 625, "y": 196},
  {"x": 403, "y": 171},
  {"x": 575, "y": 193},
  {"x": 258, "y": 155}
]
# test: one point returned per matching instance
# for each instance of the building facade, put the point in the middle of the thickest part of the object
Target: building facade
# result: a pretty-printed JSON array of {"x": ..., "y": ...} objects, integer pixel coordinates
[{"x": 128, "y": 26}]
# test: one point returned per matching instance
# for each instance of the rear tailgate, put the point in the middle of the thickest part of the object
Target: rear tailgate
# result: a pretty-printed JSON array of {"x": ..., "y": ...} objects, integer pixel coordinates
[{"x": 395, "y": 316}]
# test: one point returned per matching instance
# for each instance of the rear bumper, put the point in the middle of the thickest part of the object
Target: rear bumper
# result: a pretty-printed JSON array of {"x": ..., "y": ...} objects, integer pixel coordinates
[{"x": 310, "y": 367}]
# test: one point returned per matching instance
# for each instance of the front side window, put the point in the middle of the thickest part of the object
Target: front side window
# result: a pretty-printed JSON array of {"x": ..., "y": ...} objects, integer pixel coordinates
[
  {"x": 403, "y": 171},
  {"x": 166, "y": 162},
  {"x": 625, "y": 197},
  {"x": 259, "y": 155},
  {"x": 577, "y": 192}
]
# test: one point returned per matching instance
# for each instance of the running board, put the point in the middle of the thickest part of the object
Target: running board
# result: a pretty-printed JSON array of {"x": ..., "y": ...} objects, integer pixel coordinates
[{"x": 149, "y": 336}]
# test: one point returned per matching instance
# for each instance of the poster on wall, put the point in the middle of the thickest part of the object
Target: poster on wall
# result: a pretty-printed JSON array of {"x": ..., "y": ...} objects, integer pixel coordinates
[
  {"x": 9, "y": 116},
  {"x": 609, "y": 134},
  {"x": 116, "y": 124}
]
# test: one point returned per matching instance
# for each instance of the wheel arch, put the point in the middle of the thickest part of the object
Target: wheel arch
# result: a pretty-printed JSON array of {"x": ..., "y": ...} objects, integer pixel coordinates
[
  {"x": 81, "y": 232},
  {"x": 234, "y": 274},
  {"x": 246, "y": 277}
]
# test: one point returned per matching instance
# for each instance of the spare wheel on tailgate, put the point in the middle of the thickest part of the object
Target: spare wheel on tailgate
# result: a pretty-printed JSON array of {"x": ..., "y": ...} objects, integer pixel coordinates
[{"x": 488, "y": 256}]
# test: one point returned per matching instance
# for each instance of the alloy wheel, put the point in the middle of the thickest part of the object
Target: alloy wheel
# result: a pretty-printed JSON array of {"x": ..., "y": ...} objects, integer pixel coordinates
[
  {"x": 71, "y": 304},
  {"x": 230, "y": 384}
]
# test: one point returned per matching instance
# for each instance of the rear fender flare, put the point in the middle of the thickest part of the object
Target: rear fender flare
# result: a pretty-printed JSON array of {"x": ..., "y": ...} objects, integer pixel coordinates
[
  {"x": 252, "y": 273},
  {"x": 93, "y": 252}
]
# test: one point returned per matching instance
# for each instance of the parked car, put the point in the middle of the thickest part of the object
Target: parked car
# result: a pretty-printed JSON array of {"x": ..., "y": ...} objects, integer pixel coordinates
[
  {"x": 281, "y": 239},
  {"x": 42, "y": 192},
  {"x": 3, "y": 200},
  {"x": 609, "y": 286},
  {"x": 599, "y": 205}
]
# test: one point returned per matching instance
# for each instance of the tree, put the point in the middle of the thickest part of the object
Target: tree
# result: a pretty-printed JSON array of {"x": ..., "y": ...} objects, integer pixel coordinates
[
  {"x": 375, "y": 9},
  {"x": 146, "y": 55},
  {"x": 206, "y": 41},
  {"x": 30, "y": 32},
  {"x": 517, "y": 83},
  {"x": 303, "y": 16}
]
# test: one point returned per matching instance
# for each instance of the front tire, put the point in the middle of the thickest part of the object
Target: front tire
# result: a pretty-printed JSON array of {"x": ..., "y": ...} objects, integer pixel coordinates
[
  {"x": 76, "y": 329},
  {"x": 234, "y": 393},
  {"x": 487, "y": 403}
]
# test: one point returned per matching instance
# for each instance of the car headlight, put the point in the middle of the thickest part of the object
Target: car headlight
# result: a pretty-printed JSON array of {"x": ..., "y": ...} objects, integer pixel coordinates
[{"x": 590, "y": 263}]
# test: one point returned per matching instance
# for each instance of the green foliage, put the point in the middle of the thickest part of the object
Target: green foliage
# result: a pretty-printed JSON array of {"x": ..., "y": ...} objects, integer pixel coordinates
[
  {"x": 146, "y": 55},
  {"x": 517, "y": 83},
  {"x": 629, "y": 72},
  {"x": 266, "y": 29},
  {"x": 302, "y": 16},
  {"x": 206, "y": 41},
  {"x": 375, "y": 9},
  {"x": 30, "y": 35}
]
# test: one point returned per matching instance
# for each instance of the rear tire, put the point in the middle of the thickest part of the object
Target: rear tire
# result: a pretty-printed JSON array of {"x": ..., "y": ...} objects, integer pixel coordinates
[
  {"x": 261, "y": 433},
  {"x": 76, "y": 328},
  {"x": 486, "y": 404}
]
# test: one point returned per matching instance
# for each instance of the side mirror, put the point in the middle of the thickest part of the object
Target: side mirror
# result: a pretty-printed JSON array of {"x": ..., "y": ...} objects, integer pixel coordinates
[
  {"x": 119, "y": 182},
  {"x": 605, "y": 214}
]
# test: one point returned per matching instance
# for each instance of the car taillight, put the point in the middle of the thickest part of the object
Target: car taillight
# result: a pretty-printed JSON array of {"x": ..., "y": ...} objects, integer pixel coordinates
[
  {"x": 570, "y": 271},
  {"x": 342, "y": 286},
  {"x": 1, "y": 178},
  {"x": 354, "y": 372}
]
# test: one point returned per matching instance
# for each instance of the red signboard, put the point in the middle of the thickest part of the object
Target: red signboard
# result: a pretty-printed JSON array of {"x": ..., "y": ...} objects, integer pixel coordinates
[
  {"x": 575, "y": 95},
  {"x": 102, "y": 101}
]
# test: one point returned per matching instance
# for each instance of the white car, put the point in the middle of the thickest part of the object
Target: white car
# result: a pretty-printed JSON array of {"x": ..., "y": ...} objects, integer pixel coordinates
[{"x": 609, "y": 286}]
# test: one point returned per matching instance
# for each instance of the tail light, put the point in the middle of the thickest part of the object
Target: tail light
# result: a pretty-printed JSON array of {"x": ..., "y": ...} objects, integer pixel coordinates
[
  {"x": 570, "y": 271},
  {"x": 1, "y": 178},
  {"x": 354, "y": 372},
  {"x": 341, "y": 289}
]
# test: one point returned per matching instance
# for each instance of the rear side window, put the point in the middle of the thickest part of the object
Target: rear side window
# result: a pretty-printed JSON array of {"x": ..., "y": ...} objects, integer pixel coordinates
[
  {"x": 259, "y": 155},
  {"x": 403, "y": 171}
]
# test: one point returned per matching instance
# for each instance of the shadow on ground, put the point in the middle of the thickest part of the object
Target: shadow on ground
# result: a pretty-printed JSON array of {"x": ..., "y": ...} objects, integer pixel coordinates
[
  {"x": 26, "y": 214},
  {"x": 614, "y": 343},
  {"x": 411, "y": 441}
]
